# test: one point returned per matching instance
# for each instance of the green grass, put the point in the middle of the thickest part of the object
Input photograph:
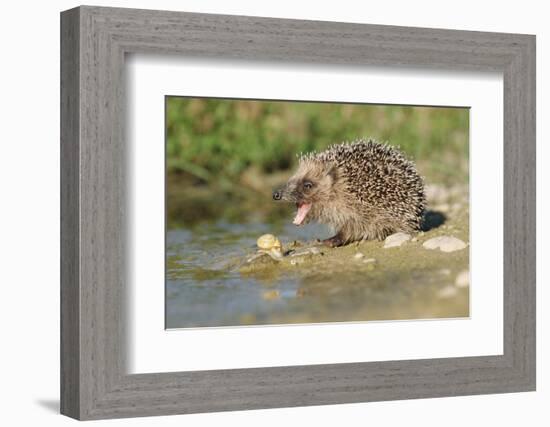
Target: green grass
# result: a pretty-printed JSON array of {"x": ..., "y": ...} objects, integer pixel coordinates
[{"x": 214, "y": 140}]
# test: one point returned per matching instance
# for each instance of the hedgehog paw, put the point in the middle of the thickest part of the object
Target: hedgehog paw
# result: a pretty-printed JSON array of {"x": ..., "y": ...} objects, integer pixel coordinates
[{"x": 334, "y": 241}]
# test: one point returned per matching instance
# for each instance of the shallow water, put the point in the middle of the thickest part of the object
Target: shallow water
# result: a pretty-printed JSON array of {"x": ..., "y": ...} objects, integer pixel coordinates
[
  {"x": 203, "y": 290},
  {"x": 206, "y": 287}
]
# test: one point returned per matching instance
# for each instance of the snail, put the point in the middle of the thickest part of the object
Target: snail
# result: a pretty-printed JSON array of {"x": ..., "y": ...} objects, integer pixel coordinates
[{"x": 269, "y": 244}]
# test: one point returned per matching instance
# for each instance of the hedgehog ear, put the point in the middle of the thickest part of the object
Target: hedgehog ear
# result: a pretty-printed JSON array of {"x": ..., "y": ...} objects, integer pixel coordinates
[{"x": 332, "y": 172}]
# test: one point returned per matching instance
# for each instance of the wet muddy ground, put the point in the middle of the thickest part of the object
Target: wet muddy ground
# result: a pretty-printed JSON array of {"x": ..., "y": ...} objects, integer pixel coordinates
[{"x": 214, "y": 278}]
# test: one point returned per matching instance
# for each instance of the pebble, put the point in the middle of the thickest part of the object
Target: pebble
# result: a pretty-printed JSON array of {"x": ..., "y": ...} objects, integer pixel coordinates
[
  {"x": 369, "y": 260},
  {"x": 445, "y": 243},
  {"x": 447, "y": 292},
  {"x": 396, "y": 240},
  {"x": 463, "y": 279},
  {"x": 359, "y": 255}
]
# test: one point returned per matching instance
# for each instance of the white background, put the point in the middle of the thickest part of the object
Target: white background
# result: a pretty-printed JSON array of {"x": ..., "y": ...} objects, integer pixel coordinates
[
  {"x": 29, "y": 176},
  {"x": 152, "y": 349}
]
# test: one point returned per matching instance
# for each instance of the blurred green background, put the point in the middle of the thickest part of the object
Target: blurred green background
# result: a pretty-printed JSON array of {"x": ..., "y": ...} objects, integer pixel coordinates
[{"x": 231, "y": 150}]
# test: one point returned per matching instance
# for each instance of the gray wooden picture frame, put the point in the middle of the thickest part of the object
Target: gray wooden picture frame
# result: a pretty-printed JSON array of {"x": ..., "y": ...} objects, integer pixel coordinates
[{"x": 94, "y": 381}]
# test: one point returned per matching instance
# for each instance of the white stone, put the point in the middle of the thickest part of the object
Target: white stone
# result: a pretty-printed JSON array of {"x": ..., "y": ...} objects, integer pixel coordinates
[
  {"x": 445, "y": 243},
  {"x": 463, "y": 279},
  {"x": 358, "y": 255},
  {"x": 447, "y": 292},
  {"x": 396, "y": 240}
]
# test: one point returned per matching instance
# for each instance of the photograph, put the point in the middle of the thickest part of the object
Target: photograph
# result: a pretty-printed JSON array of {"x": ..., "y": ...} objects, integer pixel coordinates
[
  {"x": 326, "y": 213},
  {"x": 284, "y": 212}
]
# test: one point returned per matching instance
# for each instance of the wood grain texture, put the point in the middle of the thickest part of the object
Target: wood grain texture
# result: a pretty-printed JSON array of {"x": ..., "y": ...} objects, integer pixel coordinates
[
  {"x": 94, "y": 272},
  {"x": 70, "y": 291}
]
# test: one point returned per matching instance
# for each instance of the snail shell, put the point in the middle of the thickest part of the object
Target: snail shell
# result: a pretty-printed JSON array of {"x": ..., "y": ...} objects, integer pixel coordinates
[{"x": 268, "y": 242}]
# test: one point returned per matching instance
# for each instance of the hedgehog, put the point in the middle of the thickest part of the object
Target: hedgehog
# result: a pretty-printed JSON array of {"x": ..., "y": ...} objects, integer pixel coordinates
[{"x": 363, "y": 190}]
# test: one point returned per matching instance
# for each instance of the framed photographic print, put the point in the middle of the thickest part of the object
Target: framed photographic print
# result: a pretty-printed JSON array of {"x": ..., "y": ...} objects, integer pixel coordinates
[{"x": 262, "y": 213}]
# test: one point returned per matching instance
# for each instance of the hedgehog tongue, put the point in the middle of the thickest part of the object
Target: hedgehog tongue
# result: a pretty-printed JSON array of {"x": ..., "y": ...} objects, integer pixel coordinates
[{"x": 303, "y": 209}]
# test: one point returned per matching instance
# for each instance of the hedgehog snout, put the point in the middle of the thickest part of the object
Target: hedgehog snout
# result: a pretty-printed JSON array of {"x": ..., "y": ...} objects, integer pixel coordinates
[{"x": 288, "y": 193}]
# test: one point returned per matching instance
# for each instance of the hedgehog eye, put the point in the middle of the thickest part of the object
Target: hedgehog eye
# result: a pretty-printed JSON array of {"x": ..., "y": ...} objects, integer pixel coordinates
[{"x": 308, "y": 185}]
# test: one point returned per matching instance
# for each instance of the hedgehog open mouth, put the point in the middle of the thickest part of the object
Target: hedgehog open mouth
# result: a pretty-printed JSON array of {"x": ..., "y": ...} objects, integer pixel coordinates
[{"x": 303, "y": 209}]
